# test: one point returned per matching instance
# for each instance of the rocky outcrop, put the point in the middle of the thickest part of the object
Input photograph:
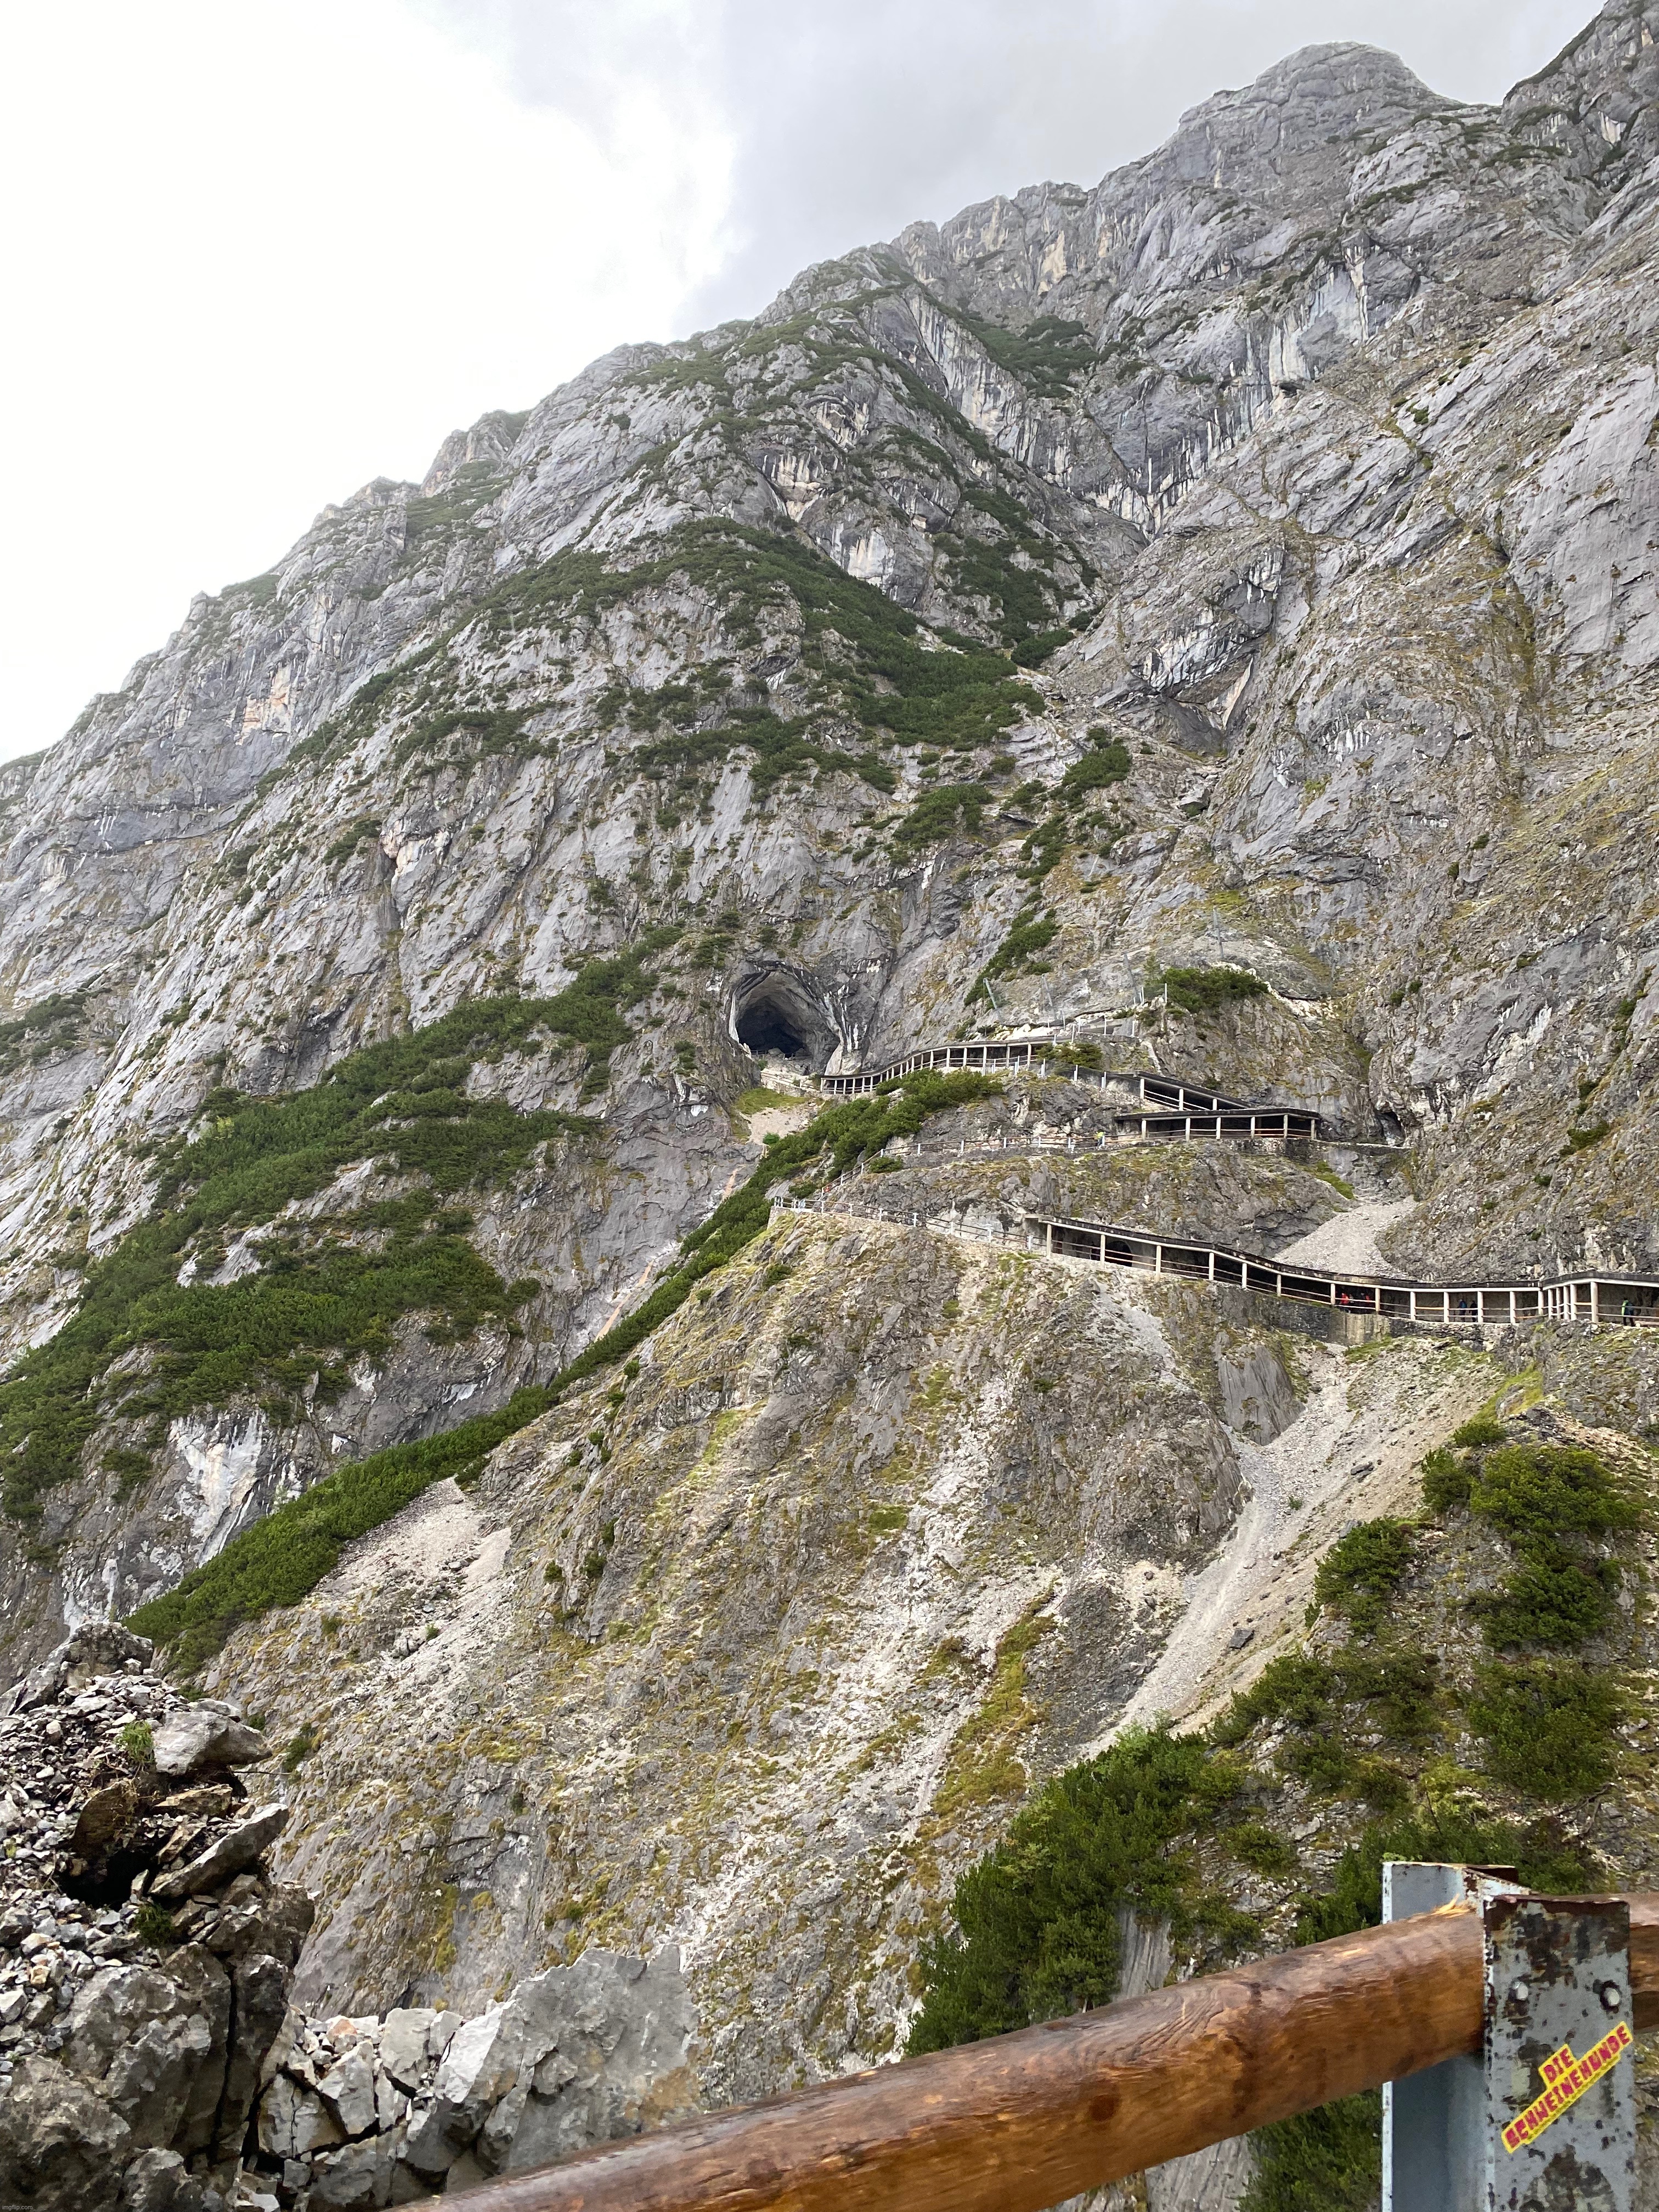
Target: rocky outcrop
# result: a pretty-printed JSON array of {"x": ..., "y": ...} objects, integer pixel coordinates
[
  {"x": 150, "y": 2058},
  {"x": 1245, "y": 563},
  {"x": 385, "y": 2110},
  {"x": 145, "y": 1952}
]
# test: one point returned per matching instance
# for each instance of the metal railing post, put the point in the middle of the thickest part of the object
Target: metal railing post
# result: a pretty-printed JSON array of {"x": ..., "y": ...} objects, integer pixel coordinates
[{"x": 1545, "y": 2112}]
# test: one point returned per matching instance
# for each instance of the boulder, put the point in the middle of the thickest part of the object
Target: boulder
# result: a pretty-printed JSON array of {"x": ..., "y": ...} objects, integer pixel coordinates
[
  {"x": 206, "y": 1735},
  {"x": 358, "y": 2174},
  {"x": 294, "y": 2121},
  {"x": 612, "y": 2036},
  {"x": 576, "y": 2056},
  {"x": 97, "y": 1647},
  {"x": 241, "y": 1847},
  {"x": 61, "y": 2147},
  {"x": 103, "y": 1817},
  {"x": 259, "y": 2014},
  {"x": 160, "y": 2181},
  {"x": 348, "y": 2090},
  {"x": 152, "y": 2042},
  {"x": 404, "y": 2049}
]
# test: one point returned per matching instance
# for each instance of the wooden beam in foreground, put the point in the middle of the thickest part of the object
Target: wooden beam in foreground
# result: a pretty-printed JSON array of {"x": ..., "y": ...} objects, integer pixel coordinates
[{"x": 1019, "y": 2122}]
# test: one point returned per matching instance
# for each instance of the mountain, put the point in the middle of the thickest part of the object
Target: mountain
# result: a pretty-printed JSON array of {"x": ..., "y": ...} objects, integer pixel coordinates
[{"x": 1241, "y": 573}]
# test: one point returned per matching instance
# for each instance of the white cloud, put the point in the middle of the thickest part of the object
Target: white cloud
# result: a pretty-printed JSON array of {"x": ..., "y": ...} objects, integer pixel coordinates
[{"x": 253, "y": 256}]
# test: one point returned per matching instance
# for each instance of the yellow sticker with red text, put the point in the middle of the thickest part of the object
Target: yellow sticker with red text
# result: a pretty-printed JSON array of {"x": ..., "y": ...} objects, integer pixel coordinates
[{"x": 1566, "y": 2079}]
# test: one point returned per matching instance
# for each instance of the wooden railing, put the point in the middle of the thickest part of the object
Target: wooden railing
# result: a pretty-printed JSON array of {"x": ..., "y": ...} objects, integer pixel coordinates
[
  {"x": 1596, "y": 1301},
  {"x": 1020, "y": 2122}
]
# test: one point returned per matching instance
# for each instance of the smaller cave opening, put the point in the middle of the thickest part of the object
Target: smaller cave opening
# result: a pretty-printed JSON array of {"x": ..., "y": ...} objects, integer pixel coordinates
[
  {"x": 106, "y": 1880},
  {"x": 766, "y": 1028}
]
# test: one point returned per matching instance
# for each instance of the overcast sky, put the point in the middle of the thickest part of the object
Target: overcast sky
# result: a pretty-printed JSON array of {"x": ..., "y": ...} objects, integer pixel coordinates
[{"x": 252, "y": 257}]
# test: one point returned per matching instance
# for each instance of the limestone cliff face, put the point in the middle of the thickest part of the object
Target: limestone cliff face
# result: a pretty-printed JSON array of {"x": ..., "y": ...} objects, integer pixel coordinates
[{"x": 1249, "y": 560}]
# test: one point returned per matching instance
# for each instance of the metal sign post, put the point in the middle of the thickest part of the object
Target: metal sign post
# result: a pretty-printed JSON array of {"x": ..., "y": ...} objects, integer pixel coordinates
[{"x": 1544, "y": 2118}]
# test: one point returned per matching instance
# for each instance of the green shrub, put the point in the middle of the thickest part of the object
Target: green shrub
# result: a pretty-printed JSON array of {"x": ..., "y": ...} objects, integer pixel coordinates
[
  {"x": 1254, "y": 1844},
  {"x": 139, "y": 1744},
  {"x": 318, "y": 1297},
  {"x": 1044, "y": 848},
  {"x": 1330, "y": 2160},
  {"x": 1362, "y": 1570},
  {"x": 1481, "y": 1431},
  {"x": 1547, "y": 1500},
  {"x": 1206, "y": 990},
  {"x": 1101, "y": 766},
  {"x": 1581, "y": 1140},
  {"x": 1017, "y": 953},
  {"x": 1533, "y": 1492},
  {"x": 1038, "y": 1915},
  {"x": 354, "y": 834},
  {"x": 1303, "y": 1694},
  {"x": 1295, "y": 1687},
  {"x": 1032, "y": 652},
  {"x": 1552, "y": 1599},
  {"x": 1446, "y": 1480},
  {"x": 939, "y": 814},
  {"x": 282, "y": 1557},
  {"x": 300, "y": 1745},
  {"x": 152, "y": 1924},
  {"x": 1048, "y": 353},
  {"x": 1548, "y": 1726},
  {"x": 47, "y": 1026}
]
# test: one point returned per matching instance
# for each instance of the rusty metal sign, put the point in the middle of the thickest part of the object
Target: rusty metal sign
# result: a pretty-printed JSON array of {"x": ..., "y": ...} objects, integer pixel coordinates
[{"x": 1543, "y": 2120}]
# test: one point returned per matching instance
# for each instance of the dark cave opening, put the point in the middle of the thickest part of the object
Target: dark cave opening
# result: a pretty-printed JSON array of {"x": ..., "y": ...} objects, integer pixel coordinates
[
  {"x": 766, "y": 1027},
  {"x": 107, "y": 1881}
]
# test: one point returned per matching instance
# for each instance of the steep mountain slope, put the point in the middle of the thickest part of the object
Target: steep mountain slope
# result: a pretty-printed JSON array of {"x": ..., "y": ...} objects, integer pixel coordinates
[
  {"x": 1323, "y": 432},
  {"x": 1247, "y": 563}
]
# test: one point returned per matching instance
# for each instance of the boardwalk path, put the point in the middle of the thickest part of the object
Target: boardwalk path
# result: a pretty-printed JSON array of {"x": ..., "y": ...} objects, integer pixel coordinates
[{"x": 1154, "y": 1108}]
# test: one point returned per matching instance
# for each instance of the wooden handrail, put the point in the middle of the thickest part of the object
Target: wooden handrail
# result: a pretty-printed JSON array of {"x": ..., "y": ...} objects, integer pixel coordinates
[{"x": 1019, "y": 2122}]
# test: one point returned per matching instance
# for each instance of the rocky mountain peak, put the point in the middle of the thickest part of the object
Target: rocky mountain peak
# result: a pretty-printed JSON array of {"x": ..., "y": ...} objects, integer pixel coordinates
[{"x": 1344, "y": 92}]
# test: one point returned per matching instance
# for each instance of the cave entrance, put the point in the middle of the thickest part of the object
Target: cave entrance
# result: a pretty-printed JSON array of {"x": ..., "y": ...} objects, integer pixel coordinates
[
  {"x": 777, "y": 1014},
  {"x": 764, "y": 1028}
]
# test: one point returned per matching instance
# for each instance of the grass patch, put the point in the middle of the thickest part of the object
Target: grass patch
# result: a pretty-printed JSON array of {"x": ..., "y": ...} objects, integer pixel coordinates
[
  {"x": 282, "y": 1557},
  {"x": 152, "y": 1924},
  {"x": 1329, "y": 1174},
  {"x": 300, "y": 1745},
  {"x": 142, "y": 1345},
  {"x": 138, "y": 1742}
]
